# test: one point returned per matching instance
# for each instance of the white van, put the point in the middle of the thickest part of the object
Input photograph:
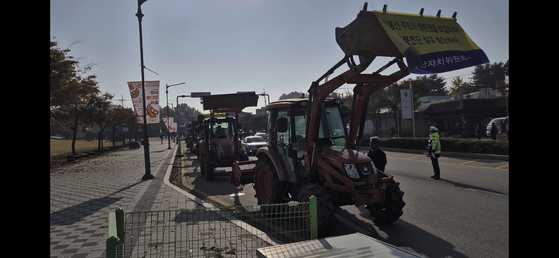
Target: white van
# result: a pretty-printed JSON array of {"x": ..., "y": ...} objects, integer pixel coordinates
[{"x": 498, "y": 122}]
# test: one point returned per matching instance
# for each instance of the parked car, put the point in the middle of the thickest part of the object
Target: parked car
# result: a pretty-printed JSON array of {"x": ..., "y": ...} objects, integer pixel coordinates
[
  {"x": 263, "y": 135},
  {"x": 499, "y": 122},
  {"x": 251, "y": 143}
]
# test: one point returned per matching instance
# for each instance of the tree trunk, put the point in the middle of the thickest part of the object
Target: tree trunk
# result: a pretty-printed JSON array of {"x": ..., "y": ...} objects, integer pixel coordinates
[
  {"x": 99, "y": 141},
  {"x": 74, "y": 138},
  {"x": 113, "y": 140}
]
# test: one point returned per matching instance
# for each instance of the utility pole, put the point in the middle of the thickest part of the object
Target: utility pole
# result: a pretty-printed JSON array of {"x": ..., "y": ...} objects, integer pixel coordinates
[
  {"x": 412, "y": 110},
  {"x": 122, "y": 99},
  {"x": 167, "y": 98}
]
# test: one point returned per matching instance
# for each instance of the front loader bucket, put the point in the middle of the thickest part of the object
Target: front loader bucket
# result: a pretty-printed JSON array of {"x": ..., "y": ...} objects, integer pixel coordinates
[
  {"x": 368, "y": 37},
  {"x": 430, "y": 44},
  {"x": 243, "y": 172}
]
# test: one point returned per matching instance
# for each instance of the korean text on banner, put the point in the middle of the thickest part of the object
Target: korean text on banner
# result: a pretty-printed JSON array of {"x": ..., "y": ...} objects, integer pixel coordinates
[
  {"x": 441, "y": 42},
  {"x": 405, "y": 96},
  {"x": 152, "y": 101},
  {"x": 172, "y": 125}
]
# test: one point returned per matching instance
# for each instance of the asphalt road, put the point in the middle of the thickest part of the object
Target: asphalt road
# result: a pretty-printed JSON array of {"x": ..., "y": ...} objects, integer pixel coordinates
[{"x": 465, "y": 214}]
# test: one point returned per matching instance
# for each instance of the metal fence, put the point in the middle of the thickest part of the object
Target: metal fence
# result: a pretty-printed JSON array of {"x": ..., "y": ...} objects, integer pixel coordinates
[{"x": 235, "y": 231}]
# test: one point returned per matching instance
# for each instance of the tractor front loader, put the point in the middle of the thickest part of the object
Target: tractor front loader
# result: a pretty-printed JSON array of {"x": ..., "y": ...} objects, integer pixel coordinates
[{"x": 310, "y": 151}]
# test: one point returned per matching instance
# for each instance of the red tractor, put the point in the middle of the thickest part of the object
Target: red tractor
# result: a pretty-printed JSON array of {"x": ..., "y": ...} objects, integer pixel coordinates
[{"x": 311, "y": 152}]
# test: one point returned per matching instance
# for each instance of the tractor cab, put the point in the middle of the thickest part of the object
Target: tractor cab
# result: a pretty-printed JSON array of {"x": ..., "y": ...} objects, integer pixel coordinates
[{"x": 287, "y": 131}]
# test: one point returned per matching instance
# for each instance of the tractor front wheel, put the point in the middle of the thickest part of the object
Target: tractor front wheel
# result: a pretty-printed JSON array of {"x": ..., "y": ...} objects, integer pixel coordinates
[
  {"x": 391, "y": 209},
  {"x": 325, "y": 208}
]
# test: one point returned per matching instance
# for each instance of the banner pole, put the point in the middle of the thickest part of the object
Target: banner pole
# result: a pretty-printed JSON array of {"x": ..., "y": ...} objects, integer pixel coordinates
[{"x": 147, "y": 174}]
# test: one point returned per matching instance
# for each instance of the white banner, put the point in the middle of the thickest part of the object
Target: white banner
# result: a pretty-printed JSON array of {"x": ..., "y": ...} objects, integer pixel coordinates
[
  {"x": 172, "y": 127},
  {"x": 407, "y": 106},
  {"x": 152, "y": 101}
]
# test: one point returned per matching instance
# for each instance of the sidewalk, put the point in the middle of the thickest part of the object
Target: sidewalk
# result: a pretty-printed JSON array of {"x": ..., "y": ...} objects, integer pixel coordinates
[{"x": 83, "y": 194}]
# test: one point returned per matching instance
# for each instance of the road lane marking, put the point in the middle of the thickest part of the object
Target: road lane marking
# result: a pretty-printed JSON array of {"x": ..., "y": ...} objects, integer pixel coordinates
[
  {"x": 464, "y": 164},
  {"x": 467, "y": 162},
  {"x": 503, "y": 166},
  {"x": 415, "y": 156}
]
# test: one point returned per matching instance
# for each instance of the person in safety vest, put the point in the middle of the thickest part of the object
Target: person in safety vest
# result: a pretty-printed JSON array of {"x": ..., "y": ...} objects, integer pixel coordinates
[{"x": 434, "y": 153}]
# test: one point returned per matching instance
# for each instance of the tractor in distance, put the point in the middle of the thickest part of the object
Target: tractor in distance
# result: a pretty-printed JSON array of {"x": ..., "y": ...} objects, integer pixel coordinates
[{"x": 220, "y": 145}]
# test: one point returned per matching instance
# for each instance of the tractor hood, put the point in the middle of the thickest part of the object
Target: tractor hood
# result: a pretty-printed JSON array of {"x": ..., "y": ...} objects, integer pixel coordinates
[
  {"x": 344, "y": 155},
  {"x": 224, "y": 142}
]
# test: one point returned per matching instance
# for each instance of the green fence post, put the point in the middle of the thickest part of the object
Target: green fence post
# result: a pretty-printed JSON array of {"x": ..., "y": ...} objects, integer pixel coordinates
[
  {"x": 113, "y": 241},
  {"x": 111, "y": 246},
  {"x": 119, "y": 214},
  {"x": 314, "y": 218},
  {"x": 120, "y": 223}
]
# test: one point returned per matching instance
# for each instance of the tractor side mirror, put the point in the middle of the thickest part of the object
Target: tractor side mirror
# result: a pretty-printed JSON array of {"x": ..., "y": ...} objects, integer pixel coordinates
[
  {"x": 281, "y": 124},
  {"x": 239, "y": 126}
]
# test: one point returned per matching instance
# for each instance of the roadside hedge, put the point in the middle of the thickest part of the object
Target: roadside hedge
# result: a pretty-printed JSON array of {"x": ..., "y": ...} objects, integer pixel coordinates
[{"x": 500, "y": 147}]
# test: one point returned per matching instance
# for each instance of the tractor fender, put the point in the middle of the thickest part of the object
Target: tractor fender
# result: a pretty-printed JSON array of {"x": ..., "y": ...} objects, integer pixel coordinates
[
  {"x": 203, "y": 148},
  {"x": 273, "y": 156}
]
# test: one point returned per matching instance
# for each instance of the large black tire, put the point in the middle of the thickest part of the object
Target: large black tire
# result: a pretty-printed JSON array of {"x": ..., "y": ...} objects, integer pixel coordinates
[
  {"x": 392, "y": 207},
  {"x": 267, "y": 186},
  {"x": 325, "y": 208},
  {"x": 207, "y": 167}
]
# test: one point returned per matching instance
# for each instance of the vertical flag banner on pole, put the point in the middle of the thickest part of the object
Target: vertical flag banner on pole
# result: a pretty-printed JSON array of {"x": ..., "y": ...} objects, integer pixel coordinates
[{"x": 152, "y": 101}]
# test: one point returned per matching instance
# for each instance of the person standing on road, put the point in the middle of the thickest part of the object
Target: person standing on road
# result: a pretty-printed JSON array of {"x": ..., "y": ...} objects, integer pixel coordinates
[
  {"x": 494, "y": 131},
  {"x": 434, "y": 151},
  {"x": 376, "y": 154},
  {"x": 479, "y": 131}
]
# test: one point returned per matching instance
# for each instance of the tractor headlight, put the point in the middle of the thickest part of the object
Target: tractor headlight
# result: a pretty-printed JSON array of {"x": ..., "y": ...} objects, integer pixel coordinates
[{"x": 351, "y": 170}]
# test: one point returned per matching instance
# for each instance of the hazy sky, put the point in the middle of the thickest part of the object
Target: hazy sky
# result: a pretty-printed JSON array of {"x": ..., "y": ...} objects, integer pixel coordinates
[{"x": 224, "y": 46}]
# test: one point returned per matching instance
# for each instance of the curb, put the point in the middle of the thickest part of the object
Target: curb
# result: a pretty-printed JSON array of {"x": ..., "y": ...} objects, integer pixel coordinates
[{"x": 252, "y": 230}]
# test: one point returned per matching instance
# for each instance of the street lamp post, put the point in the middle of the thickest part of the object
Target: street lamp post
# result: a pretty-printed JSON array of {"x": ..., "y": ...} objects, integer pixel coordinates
[
  {"x": 147, "y": 174},
  {"x": 177, "y": 115},
  {"x": 167, "y": 98}
]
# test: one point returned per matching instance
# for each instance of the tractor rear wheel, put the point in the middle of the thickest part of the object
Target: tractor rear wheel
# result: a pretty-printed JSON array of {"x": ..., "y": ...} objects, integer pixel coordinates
[
  {"x": 325, "y": 208},
  {"x": 391, "y": 209},
  {"x": 267, "y": 186}
]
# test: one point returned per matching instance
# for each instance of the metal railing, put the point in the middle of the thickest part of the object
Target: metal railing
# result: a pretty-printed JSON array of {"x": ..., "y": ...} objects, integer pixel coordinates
[{"x": 233, "y": 231}]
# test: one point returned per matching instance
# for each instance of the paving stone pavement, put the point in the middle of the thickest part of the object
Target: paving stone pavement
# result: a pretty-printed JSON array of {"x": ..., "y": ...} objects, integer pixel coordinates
[{"x": 83, "y": 194}]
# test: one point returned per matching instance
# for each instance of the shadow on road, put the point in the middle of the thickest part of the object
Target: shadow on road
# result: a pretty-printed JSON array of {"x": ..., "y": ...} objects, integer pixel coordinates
[
  {"x": 404, "y": 235},
  {"x": 465, "y": 186}
]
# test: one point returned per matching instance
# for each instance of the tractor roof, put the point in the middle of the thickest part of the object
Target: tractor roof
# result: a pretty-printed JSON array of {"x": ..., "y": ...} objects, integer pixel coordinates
[
  {"x": 233, "y": 102},
  {"x": 285, "y": 103}
]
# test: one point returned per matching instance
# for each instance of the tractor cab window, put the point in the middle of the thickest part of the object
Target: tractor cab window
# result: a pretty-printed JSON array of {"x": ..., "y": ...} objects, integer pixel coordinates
[
  {"x": 332, "y": 127},
  {"x": 300, "y": 131},
  {"x": 223, "y": 130}
]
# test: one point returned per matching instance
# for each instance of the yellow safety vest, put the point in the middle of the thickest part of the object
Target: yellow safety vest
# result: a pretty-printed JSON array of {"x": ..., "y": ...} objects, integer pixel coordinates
[{"x": 435, "y": 143}]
